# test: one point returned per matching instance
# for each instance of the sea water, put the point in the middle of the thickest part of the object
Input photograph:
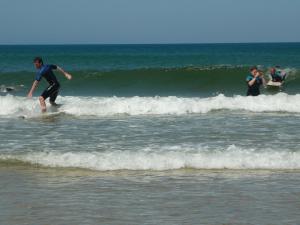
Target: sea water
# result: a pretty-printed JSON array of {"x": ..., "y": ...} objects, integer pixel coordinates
[{"x": 150, "y": 134}]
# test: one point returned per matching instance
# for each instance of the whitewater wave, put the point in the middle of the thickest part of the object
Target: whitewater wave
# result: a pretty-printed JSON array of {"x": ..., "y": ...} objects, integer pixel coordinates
[
  {"x": 164, "y": 158},
  {"x": 12, "y": 106}
]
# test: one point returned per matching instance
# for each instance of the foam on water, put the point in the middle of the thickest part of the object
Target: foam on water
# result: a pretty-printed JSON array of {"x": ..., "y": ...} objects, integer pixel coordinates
[
  {"x": 11, "y": 106},
  {"x": 165, "y": 158}
]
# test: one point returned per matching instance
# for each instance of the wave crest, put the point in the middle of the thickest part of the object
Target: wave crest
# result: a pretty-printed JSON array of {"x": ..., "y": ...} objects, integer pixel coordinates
[
  {"x": 12, "y": 106},
  {"x": 165, "y": 158}
]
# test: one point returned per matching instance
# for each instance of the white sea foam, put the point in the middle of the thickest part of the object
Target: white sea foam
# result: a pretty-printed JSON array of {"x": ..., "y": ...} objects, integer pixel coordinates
[
  {"x": 11, "y": 106},
  {"x": 107, "y": 106},
  {"x": 166, "y": 158}
]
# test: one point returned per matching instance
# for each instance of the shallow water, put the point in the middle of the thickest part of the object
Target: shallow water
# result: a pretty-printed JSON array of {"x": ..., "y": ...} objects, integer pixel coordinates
[
  {"x": 55, "y": 196},
  {"x": 216, "y": 168}
]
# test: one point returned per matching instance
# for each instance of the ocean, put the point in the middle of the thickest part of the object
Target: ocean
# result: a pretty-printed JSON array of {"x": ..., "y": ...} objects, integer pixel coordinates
[{"x": 150, "y": 134}]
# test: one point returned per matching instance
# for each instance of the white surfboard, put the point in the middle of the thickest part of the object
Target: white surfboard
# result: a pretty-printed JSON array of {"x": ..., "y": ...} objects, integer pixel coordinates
[
  {"x": 274, "y": 84},
  {"x": 44, "y": 115}
]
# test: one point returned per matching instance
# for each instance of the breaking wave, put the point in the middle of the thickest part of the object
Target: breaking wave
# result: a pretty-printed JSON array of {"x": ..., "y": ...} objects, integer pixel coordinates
[
  {"x": 163, "y": 158},
  {"x": 12, "y": 106}
]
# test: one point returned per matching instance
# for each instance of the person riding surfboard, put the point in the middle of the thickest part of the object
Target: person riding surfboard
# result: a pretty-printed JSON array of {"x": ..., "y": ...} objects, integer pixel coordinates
[{"x": 46, "y": 72}]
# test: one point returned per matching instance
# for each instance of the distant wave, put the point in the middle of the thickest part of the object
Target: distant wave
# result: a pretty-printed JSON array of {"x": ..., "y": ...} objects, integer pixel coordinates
[
  {"x": 182, "y": 81},
  {"x": 163, "y": 158},
  {"x": 11, "y": 106}
]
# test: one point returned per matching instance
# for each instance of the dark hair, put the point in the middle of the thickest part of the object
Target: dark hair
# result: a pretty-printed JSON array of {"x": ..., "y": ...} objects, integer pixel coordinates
[
  {"x": 253, "y": 68},
  {"x": 38, "y": 59}
]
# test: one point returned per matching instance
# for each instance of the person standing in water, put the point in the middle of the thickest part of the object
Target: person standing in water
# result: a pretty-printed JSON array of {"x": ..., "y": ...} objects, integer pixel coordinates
[
  {"x": 52, "y": 90},
  {"x": 254, "y": 80}
]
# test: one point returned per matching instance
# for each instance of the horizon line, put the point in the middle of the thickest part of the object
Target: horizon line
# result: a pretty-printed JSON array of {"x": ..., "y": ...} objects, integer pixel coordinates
[{"x": 175, "y": 43}]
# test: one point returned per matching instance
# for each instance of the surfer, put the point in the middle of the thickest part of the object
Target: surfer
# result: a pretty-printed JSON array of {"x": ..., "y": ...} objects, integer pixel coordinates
[
  {"x": 277, "y": 75},
  {"x": 53, "y": 88},
  {"x": 254, "y": 80}
]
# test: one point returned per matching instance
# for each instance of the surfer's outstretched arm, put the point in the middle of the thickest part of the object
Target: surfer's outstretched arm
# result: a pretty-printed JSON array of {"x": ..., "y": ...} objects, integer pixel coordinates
[
  {"x": 34, "y": 85},
  {"x": 67, "y": 75}
]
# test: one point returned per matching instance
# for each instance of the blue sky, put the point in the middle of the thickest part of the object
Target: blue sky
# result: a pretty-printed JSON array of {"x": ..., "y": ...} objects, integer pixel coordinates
[{"x": 148, "y": 21}]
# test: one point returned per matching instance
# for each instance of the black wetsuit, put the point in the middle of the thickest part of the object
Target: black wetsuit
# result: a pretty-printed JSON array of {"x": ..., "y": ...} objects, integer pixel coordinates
[
  {"x": 254, "y": 89},
  {"x": 53, "y": 88}
]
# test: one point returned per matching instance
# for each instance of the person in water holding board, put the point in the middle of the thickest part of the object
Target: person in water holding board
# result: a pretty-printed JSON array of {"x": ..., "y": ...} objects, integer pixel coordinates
[
  {"x": 53, "y": 88},
  {"x": 277, "y": 75},
  {"x": 254, "y": 80}
]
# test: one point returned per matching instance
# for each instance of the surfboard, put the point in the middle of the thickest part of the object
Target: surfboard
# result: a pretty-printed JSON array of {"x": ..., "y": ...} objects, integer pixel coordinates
[
  {"x": 53, "y": 111},
  {"x": 51, "y": 115},
  {"x": 274, "y": 84},
  {"x": 46, "y": 115}
]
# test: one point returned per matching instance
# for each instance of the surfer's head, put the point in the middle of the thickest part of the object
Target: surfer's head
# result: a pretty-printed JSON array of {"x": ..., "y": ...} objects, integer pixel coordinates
[
  {"x": 253, "y": 70},
  {"x": 38, "y": 62},
  {"x": 272, "y": 70}
]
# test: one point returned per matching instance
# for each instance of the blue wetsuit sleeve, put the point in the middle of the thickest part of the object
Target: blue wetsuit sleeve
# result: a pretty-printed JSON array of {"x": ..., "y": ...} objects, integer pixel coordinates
[{"x": 38, "y": 76}]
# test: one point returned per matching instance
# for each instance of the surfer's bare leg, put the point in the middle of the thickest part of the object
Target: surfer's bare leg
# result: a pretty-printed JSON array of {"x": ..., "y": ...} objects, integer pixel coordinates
[{"x": 43, "y": 104}]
